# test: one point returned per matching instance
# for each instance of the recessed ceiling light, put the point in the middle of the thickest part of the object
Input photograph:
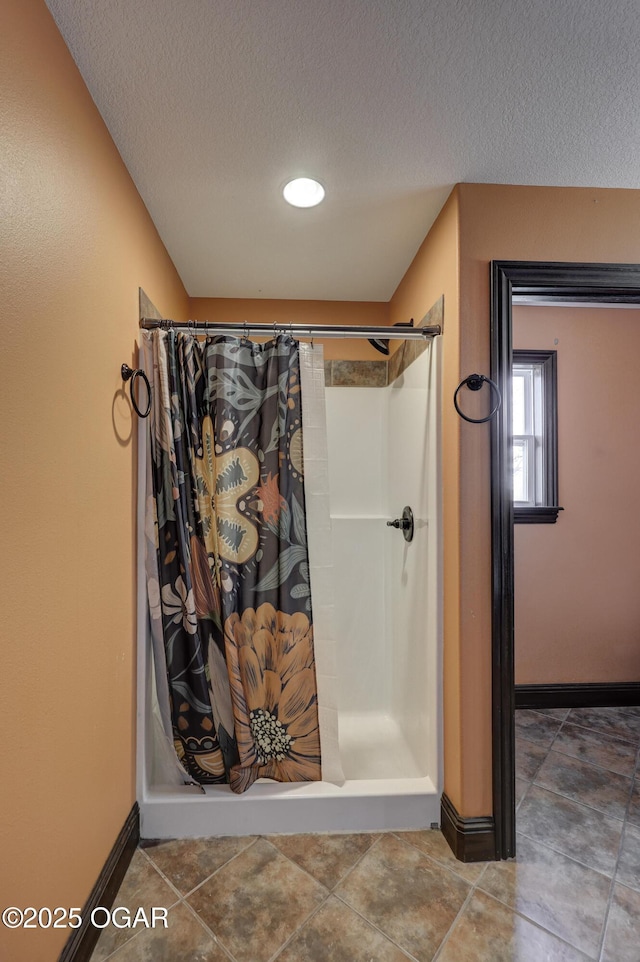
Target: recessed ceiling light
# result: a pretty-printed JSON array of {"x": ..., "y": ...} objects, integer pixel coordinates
[{"x": 303, "y": 192}]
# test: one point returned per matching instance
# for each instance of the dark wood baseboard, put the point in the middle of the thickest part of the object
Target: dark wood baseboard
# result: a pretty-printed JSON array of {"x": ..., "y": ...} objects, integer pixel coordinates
[
  {"x": 596, "y": 695},
  {"x": 82, "y": 941},
  {"x": 470, "y": 839}
]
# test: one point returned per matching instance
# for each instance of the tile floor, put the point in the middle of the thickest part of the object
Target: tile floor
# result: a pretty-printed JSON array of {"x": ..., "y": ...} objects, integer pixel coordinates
[{"x": 572, "y": 894}]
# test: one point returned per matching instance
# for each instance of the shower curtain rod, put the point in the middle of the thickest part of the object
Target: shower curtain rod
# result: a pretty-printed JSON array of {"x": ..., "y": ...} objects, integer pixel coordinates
[{"x": 299, "y": 330}]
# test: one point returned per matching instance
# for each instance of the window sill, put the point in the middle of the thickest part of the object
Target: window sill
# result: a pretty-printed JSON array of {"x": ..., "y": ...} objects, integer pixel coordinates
[{"x": 545, "y": 514}]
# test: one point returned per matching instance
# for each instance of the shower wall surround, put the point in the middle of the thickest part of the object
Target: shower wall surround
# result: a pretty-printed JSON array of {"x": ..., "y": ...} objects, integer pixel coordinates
[{"x": 383, "y": 455}]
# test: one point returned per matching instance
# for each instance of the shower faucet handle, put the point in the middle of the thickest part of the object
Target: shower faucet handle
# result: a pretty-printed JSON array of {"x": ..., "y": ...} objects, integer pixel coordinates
[
  {"x": 405, "y": 523},
  {"x": 398, "y": 523}
]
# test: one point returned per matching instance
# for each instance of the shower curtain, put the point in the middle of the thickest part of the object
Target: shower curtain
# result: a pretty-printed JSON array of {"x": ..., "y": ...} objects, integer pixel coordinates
[{"x": 228, "y": 573}]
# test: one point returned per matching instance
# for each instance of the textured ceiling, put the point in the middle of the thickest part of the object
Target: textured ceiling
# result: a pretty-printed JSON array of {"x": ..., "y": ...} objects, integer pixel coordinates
[{"x": 214, "y": 104}]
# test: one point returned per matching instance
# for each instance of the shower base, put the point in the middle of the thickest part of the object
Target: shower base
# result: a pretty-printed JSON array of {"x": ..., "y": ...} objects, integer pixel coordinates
[
  {"x": 372, "y": 745},
  {"x": 383, "y": 791}
]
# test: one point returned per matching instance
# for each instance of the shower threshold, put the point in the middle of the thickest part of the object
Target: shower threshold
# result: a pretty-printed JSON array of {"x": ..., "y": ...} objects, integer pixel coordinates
[
  {"x": 384, "y": 790},
  {"x": 358, "y": 805}
]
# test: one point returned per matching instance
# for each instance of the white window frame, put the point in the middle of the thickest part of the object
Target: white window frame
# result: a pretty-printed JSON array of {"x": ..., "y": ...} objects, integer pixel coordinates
[{"x": 537, "y": 438}]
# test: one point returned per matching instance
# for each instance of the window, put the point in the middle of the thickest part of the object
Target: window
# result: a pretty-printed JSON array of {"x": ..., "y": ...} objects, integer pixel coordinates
[{"x": 535, "y": 437}]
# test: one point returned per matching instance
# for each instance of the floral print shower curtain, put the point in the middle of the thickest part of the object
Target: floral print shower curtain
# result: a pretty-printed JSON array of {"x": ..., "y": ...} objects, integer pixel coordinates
[{"x": 233, "y": 594}]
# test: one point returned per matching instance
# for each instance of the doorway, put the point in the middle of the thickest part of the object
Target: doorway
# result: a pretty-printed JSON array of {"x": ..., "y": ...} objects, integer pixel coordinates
[{"x": 533, "y": 283}]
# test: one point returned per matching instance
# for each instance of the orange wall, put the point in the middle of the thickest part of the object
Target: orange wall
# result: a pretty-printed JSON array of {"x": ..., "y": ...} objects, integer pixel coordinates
[
  {"x": 259, "y": 311},
  {"x": 577, "y": 604},
  {"x": 75, "y": 244},
  {"x": 509, "y": 223}
]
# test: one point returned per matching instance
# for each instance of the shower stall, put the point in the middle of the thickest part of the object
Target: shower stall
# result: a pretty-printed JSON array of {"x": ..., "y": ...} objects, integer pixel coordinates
[{"x": 383, "y": 445}]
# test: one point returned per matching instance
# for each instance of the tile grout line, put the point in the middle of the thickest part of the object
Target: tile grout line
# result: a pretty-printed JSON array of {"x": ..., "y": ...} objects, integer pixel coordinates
[
  {"x": 605, "y": 921},
  {"x": 343, "y": 877},
  {"x": 630, "y": 740},
  {"x": 619, "y": 708},
  {"x": 364, "y": 918},
  {"x": 182, "y": 899},
  {"x": 524, "y": 795},
  {"x": 572, "y": 858},
  {"x": 112, "y": 954},
  {"x": 458, "y": 916},
  {"x": 627, "y": 740},
  {"x": 164, "y": 877},
  {"x": 585, "y": 761},
  {"x": 558, "y": 730},
  {"x": 535, "y": 923},
  {"x": 290, "y": 939},
  {"x": 570, "y": 798},
  {"x": 442, "y": 864},
  {"x": 566, "y": 721},
  {"x": 376, "y": 928},
  {"x": 330, "y": 892},
  {"x": 552, "y": 743},
  {"x": 537, "y": 711},
  {"x": 536, "y": 743},
  {"x": 315, "y": 911},
  {"x": 614, "y": 877},
  {"x": 299, "y": 867},
  {"x": 133, "y": 936},
  {"x": 217, "y": 941},
  {"x": 220, "y": 867},
  {"x": 380, "y": 835},
  {"x": 477, "y": 887},
  {"x": 591, "y": 765}
]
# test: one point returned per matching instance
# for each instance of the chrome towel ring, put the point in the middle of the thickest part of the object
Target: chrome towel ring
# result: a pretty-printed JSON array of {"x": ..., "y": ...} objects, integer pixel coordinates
[
  {"x": 129, "y": 374},
  {"x": 474, "y": 382}
]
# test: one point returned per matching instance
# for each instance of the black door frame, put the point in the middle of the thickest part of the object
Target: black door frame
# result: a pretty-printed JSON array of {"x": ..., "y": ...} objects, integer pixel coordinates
[{"x": 540, "y": 283}]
